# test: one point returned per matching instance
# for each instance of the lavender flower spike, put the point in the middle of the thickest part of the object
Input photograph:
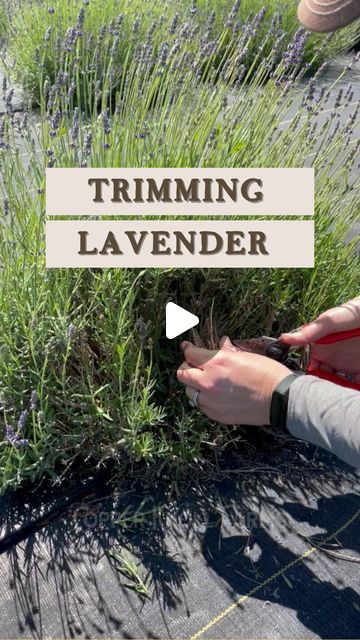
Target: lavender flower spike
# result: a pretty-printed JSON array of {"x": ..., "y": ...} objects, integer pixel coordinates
[
  {"x": 295, "y": 49},
  {"x": 22, "y": 419},
  {"x": 14, "y": 439},
  {"x": 33, "y": 400}
]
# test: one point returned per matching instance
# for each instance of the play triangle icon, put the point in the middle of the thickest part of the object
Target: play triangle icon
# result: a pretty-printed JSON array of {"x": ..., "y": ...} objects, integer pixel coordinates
[{"x": 178, "y": 320}]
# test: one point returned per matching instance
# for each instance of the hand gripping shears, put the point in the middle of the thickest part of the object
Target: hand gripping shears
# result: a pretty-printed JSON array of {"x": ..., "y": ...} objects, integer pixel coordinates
[
  {"x": 274, "y": 348},
  {"x": 339, "y": 377}
]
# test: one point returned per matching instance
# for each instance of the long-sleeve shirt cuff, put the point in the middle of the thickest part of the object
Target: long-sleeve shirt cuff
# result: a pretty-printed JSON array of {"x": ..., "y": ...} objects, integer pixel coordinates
[{"x": 326, "y": 415}]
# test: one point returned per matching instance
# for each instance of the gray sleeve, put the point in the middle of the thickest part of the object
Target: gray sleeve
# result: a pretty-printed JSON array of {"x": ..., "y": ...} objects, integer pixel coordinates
[{"x": 326, "y": 415}]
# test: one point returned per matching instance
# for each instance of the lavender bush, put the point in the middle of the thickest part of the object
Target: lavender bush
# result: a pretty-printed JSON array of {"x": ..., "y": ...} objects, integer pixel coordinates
[
  {"x": 85, "y": 370},
  {"x": 94, "y": 41}
]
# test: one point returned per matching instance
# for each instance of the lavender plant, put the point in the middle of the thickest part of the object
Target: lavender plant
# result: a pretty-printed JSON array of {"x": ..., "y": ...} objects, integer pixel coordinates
[
  {"x": 85, "y": 371},
  {"x": 93, "y": 41}
]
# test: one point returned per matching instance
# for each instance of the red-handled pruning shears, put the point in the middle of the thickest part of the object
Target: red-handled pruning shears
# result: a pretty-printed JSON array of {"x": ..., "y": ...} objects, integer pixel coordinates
[
  {"x": 274, "y": 348},
  {"x": 338, "y": 377}
]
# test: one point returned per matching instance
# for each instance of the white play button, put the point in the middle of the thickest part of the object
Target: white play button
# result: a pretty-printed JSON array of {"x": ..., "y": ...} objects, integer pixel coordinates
[{"x": 178, "y": 320}]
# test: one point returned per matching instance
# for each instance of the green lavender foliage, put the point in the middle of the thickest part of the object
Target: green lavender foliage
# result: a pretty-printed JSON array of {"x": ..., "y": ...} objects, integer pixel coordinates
[
  {"x": 50, "y": 34},
  {"x": 83, "y": 352}
]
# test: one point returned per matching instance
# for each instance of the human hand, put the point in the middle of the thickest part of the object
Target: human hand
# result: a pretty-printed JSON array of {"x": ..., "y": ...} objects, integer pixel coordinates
[
  {"x": 235, "y": 386},
  {"x": 340, "y": 356}
]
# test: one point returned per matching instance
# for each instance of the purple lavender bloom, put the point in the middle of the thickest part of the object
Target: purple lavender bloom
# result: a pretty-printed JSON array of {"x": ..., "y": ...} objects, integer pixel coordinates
[
  {"x": 185, "y": 32},
  {"x": 210, "y": 22},
  {"x": 136, "y": 24},
  {"x": 22, "y": 442},
  {"x": 106, "y": 122},
  {"x": 163, "y": 53},
  {"x": 230, "y": 19},
  {"x": 80, "y": 18},
  {"x": 338, "y": 98},
  {"x": 8, "y": 102},
  {"x": 174, "y": 23},
  {"x": 71, "y": 90},
  {"x": 353, "y": 155},
  {"x": 70, "y": 39},
  {"x": 55, "y": 122},
  {"x": 24, "y": 123},
  {"x": 310, "y": 96},
  {"x": 334, "y": 132},
  {"x": 71, "y": 331},
  {"x": 14, "y": 439},
  {"x": 241, "y": 75},
  {"x": 141, "y": 328},
  {"x": 10, "y": 434},
  {"x": 22, "y": 420},
  {"x": 175, "y": 49},
  {"x": 114, "y": 47},
  {"x": 352, "y": 118},
  {"x": 51, "y": 98},
  {"x": 74, "y": 131},
  {"x": 258, "y": 20},
  {"x": 51, "y": 158},
  {"x": 295, "y": 49},
  {"x": 62, "y": 78},
  {"x": 88, "y": 143},
  {"x": 349, "y": 95},
  {"x": 208, "y": 48},
  {"x": 33, "y": 400},
  {"x": 151, "y": 30}
]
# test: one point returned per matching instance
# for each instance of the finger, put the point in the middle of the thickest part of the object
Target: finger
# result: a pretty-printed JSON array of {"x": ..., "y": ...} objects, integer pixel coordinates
[
  {"x": 226, "y": 344},
  {"x": 184, "y": 366},
  {"x": 313, "y": 363},
  {"x": 196, "y": 356},
  {"x": 306, "y": 335},
  {"x": 317, "y": 364},
  {"x": 325, "y": 367},
  {"x": 190, "y": 376},
  {"x": 342, "y": 318},
  {"x": 201, "y": 402}
]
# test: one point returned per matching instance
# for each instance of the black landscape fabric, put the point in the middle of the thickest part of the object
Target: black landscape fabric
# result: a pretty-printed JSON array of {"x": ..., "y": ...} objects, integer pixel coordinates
[{"x": 237, "y": 557}]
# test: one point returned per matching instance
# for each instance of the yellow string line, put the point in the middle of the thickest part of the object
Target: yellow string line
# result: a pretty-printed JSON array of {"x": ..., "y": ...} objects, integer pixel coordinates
[{"x": 273, "y": 577}]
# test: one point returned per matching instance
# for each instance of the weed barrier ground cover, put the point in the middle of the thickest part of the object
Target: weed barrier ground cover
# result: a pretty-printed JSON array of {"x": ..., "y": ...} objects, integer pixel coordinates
[{"x": 256, "y": 548}]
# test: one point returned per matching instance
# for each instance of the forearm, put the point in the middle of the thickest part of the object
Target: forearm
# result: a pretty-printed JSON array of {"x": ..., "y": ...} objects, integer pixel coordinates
[{"x": 326, "y": 415}]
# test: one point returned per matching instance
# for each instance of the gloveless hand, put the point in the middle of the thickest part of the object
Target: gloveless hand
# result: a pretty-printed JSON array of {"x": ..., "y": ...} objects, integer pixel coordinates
[
  {"x": 340, "y": 356},
  {"x": 235, "y": 386}
]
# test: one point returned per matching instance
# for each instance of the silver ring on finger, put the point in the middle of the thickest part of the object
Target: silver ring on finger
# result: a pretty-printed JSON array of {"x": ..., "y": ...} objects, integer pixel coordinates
[{"x": 194, "y": 400}]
